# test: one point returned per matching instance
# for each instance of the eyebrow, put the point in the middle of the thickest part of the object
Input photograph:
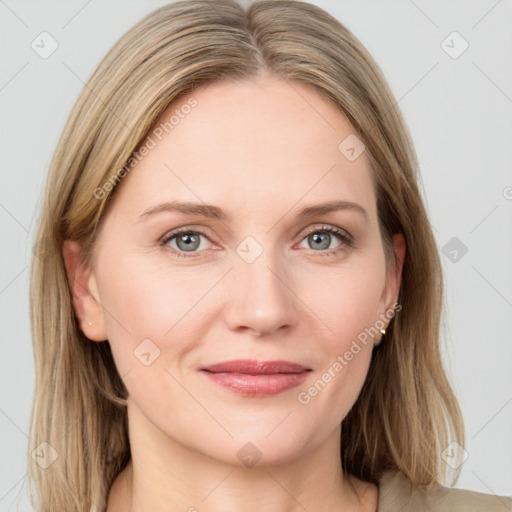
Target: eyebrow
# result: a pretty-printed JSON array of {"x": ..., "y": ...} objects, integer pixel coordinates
[{"x": 214, "y": 212}]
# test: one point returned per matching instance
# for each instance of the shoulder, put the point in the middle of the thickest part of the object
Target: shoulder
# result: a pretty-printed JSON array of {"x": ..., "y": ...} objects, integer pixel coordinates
[{"x": 397, "y": 493}]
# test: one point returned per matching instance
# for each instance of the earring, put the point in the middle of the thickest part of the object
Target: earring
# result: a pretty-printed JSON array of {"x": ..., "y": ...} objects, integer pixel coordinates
[{"x": 382, "y": 331}]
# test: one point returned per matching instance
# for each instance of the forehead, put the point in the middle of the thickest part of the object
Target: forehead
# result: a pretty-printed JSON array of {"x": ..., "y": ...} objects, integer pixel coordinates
[{"x": 253, "y": 145}]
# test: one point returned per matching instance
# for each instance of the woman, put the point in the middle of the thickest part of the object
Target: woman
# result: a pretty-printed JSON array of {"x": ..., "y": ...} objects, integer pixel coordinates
[{"x": 242, "y": 307}]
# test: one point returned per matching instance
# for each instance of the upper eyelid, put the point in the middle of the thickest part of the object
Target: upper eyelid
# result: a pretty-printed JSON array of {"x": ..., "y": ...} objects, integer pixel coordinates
[
  {"x": 306, "y": 231},
  {"x": 326, "y": 227},
  {"x": 174, "y": 232}
]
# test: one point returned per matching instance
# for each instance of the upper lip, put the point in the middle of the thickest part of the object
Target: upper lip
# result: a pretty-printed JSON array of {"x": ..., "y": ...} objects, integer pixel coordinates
[{"x": 256, "y": 367}]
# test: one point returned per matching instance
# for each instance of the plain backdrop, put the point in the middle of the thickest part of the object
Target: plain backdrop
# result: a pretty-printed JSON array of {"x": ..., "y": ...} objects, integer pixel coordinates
[{"x": 455, "y": 90}]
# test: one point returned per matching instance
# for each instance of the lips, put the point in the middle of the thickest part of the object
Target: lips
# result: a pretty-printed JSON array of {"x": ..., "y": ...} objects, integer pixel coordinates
[
  {"x": 257, "y": 378},
  {"x": 251, "y": 367}
]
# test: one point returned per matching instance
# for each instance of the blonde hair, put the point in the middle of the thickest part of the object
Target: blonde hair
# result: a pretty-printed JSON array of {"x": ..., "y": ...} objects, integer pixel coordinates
[{"x": 406, "y": 412}]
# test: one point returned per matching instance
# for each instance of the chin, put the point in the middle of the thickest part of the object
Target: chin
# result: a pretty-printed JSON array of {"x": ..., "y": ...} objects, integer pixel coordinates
[{"x": 256, "y": 448}]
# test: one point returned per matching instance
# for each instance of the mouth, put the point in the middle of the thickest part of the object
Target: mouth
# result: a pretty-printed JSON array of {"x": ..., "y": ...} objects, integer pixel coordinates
[{"x": 257, "y": 378}]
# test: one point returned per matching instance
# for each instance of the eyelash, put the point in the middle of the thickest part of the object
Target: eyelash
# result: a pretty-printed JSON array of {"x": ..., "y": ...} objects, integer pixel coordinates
[{"x": 346, "y": 239}]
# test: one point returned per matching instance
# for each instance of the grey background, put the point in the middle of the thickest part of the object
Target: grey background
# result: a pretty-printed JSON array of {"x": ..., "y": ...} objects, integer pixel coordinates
[{"x": 458, "y": 109}]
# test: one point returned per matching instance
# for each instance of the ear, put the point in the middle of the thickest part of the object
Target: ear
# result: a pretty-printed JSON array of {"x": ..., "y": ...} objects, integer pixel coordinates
[
  {"x": 86, "y": 299},
  {"x": 395, "y": 273}
]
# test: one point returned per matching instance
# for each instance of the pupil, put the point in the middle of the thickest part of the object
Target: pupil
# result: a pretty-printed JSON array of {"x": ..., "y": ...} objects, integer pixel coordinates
[
  {"x": 318, "y": 238},
  {"x": 188, "y": 241}
]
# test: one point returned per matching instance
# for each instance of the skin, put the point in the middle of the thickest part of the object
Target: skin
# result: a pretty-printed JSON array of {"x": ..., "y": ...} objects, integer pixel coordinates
[{"x": 261, "y": 150}]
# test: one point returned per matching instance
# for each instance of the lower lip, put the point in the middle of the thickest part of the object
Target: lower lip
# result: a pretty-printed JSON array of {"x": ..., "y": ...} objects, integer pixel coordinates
[{"x": 258, "y": 385}]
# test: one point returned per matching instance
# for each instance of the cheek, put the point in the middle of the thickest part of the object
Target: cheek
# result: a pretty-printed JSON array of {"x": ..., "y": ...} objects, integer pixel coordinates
[
  {"x": 350, "y": 300},
  {"x": 147, "y": 299},
  {"x": 349, "y": 307}
]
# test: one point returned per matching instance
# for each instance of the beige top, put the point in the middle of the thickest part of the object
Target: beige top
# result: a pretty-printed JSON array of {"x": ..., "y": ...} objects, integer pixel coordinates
[{"x": 396, "y": 495}]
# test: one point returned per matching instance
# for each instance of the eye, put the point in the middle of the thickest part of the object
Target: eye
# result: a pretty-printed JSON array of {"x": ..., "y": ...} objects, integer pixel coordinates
[
  {"x": 186, "y": 241},
  {"x": 321, "y": 238},
  {"x": 183, "y": 241}
]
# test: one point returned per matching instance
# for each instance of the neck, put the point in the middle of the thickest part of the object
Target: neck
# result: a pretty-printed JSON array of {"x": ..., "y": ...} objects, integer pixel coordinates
[{"x": 166, "y": 475}]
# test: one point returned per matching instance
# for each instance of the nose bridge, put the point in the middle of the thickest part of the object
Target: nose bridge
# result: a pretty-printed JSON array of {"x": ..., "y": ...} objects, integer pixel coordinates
[{"x": 260, "y": 297}]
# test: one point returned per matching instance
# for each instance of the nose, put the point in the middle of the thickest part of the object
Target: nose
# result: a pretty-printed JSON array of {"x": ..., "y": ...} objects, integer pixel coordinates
[{"x": 260, "y": 297}]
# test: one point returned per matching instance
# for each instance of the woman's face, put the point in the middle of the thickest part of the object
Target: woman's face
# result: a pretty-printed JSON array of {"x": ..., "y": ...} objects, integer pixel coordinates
[{"x": 261, "y": 282}]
